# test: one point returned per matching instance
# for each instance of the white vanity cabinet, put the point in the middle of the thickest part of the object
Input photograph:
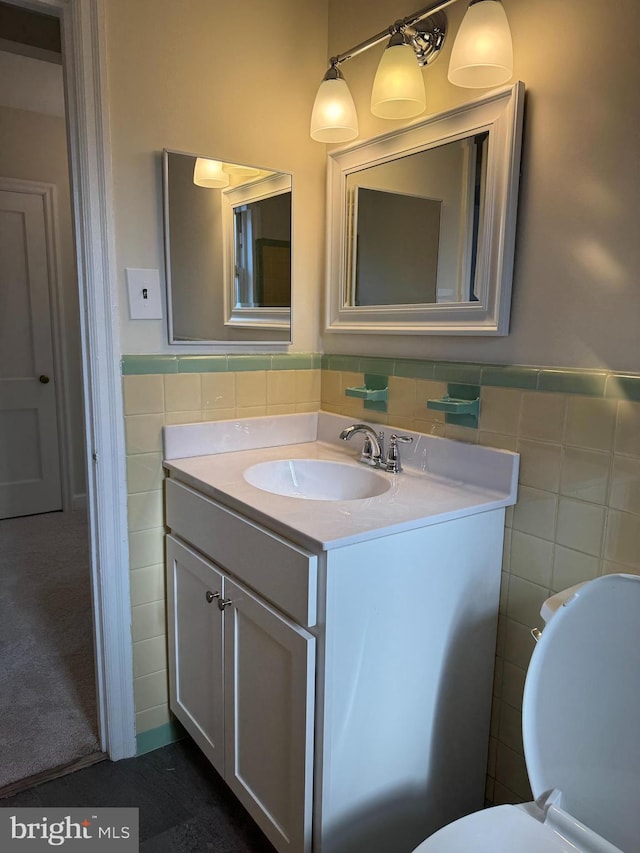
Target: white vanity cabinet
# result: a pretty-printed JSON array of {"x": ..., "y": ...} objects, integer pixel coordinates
[
  {"x": 242, "y": 675},
  {"x": 344, "y": 695}
]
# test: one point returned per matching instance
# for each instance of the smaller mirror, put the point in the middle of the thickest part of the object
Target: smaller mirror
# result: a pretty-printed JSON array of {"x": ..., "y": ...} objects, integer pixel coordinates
[
  {"x": 227, "y": 229},
  {"x": 422, "y": 223}
]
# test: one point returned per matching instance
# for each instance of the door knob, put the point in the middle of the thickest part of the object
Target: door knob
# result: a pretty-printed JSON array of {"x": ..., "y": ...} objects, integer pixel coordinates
[
  {"x": 44, "y": 379},
  {"x": 210, "y": 596},
  {"x": 224, "y": 602}
]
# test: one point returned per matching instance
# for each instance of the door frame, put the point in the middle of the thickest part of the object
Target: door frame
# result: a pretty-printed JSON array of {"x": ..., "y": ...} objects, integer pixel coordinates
[
  {"x": 49, "y": 194},
  {"x": 83, "y": 38}
]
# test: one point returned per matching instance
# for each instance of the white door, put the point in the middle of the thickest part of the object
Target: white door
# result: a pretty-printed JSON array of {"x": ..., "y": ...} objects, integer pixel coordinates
[
  {"x": 269, "y": 718},
  {"x": 194, "y": 587},
  {"x": 29, "y": 450}
]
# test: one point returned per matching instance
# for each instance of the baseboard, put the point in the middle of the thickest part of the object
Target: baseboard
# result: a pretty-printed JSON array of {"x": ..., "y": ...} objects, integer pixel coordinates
[
  {"x": 158, "y": 737},
  {"x": 79, "y": 502}
]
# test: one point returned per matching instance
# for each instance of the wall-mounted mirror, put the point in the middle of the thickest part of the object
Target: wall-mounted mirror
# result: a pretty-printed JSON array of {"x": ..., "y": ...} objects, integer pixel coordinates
[
  {"x": 227, "y": 232},
  {"x": 422, "y": 223}
]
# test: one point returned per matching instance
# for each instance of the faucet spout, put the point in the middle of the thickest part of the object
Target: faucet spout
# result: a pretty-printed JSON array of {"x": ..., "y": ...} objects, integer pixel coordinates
[{"x": 372, "y": 448}]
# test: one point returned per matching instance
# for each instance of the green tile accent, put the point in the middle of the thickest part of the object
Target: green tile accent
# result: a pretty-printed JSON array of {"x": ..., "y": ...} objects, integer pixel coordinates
[
  {"x": 292, "y": 361},
  {"x": 381, "y": 366},
  {"x": 374, "y": 392},
  {"x": 595, "y": 383},
  {"x": 155, "y": 738},
  {"x": 202, "y": 364},
  {"x": 456, "y": 393},
  {"x": 572, "y": 382},
  {"x": 623, "y": 387},
  {"x": 411, "y": 368},
  {"x": 136, "y": 365},
  {"x": 161, "y": 363},
  {"x": 451, "y": 371},
  {"x": 249, "y": 362},
  {"x": 349, "y": 363},
  {"x": 510, "y": 377}
]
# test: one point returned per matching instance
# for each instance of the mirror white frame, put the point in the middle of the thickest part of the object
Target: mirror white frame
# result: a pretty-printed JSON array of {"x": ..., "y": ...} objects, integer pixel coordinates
[
  {"x": 266, "y": 318},
  {"x": 500, "y": 113}
]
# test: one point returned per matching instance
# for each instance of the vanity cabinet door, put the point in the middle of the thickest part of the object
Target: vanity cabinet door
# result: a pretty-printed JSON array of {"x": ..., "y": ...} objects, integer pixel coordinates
[
  {"x": 195, "y": 627},
  {"x": 269, "y": 702}
]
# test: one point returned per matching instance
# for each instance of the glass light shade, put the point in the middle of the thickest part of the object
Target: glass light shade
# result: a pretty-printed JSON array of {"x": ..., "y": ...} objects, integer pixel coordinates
[
  {"x": 334, "y": 117},
  {"x": 398, "y": 88},
  {"x": 482, "y": 53},
  {"x": 209, "y": 173}
]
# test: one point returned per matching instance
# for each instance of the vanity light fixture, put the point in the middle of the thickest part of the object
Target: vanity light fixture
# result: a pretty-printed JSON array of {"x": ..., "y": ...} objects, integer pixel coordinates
[
  {"x": 398, "y": 87},
  {"x": 209, "y": 173},
  {"x": 482, "y": 56},
  {"x": 482, "y": 53},
  {"x": 334, "y": 117}
]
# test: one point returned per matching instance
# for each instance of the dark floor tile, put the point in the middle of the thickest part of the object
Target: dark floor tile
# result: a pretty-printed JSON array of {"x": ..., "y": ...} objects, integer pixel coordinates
[
  {"x": 185, "y": 807},
  {"x": 206, "y": 834}
]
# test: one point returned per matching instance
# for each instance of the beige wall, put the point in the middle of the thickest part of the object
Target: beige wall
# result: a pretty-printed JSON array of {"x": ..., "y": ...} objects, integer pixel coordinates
[
  {"x": 576, "y": 300},
  {"x": 212, "y": 78},
  {"x": 34, "y": 148}
]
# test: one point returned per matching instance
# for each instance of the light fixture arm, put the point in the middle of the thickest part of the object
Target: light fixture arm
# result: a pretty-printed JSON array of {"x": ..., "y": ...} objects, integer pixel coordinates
[{"x": 403, "y": 25}]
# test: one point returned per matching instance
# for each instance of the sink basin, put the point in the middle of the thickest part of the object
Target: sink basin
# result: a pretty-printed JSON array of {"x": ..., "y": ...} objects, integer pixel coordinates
[{"x": 317, "y": 479}]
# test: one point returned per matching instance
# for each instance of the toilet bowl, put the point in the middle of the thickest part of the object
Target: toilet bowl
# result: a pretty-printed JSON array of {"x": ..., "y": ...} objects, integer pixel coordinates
[{"x": 581, "y": 733}]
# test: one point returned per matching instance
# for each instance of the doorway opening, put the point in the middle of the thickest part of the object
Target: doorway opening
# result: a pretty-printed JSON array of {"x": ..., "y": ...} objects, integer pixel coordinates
[{"x": 48, "y": 707}]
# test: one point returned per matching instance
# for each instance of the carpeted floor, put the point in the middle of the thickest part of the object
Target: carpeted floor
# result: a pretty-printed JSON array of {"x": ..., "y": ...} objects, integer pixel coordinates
[{"x": 47, "y": 681}]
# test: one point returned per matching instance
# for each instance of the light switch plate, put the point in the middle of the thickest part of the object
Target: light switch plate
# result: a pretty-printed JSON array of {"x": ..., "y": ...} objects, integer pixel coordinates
[{"x": 145, "y": 302}]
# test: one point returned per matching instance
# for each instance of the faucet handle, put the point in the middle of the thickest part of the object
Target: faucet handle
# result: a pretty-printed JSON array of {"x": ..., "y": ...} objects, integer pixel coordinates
[{"x": 393, "y": 465}]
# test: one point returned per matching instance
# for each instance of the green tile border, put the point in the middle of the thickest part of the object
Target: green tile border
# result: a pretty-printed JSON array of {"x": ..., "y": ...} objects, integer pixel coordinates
[
  {"x": 147, "y": 364},
  {"x": 409, "y": 368},
  {"x": 592, "y": 383},
  {"x": 203, "y": 364},
  {"x": 138, "y": 365},
  {"x": 510, "y": 376},
  {"x": 161, "y": 736},
  {"x": 572, "y": 382},
  {"x": 451, "y": 371},
  {"x": 623, "y": 387}
]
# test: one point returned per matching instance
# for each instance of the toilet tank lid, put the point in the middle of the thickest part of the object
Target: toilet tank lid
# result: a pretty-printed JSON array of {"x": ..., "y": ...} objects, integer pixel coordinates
[{"x": 580, "y": 708}]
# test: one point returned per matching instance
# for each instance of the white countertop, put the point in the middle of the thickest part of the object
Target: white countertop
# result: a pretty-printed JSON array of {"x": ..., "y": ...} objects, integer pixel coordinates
[{"x": 420, "y": 495}]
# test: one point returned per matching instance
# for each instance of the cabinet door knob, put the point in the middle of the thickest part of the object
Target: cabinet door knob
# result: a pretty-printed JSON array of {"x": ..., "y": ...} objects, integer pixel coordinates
[
  {"x": 44, "y": 379},
  {"x": 211, "y": 595},
  {"x": 224, "y": 602}
]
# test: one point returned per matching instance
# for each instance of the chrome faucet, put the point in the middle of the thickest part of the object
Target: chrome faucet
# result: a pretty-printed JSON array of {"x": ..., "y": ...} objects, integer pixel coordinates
[{"x": 372, "y": 448}]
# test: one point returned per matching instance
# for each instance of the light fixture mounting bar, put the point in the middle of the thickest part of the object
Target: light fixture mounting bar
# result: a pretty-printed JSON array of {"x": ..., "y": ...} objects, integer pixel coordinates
[{"x": 409, "y": 21}]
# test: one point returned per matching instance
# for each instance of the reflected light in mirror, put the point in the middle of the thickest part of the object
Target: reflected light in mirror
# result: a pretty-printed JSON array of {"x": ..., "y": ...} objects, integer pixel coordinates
[
  {"x": 398, "y": 87},
  {"x": 210, "y": 174},
  {"x": 237, "y": 171},
  {"x": 482, "y": 53}
]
